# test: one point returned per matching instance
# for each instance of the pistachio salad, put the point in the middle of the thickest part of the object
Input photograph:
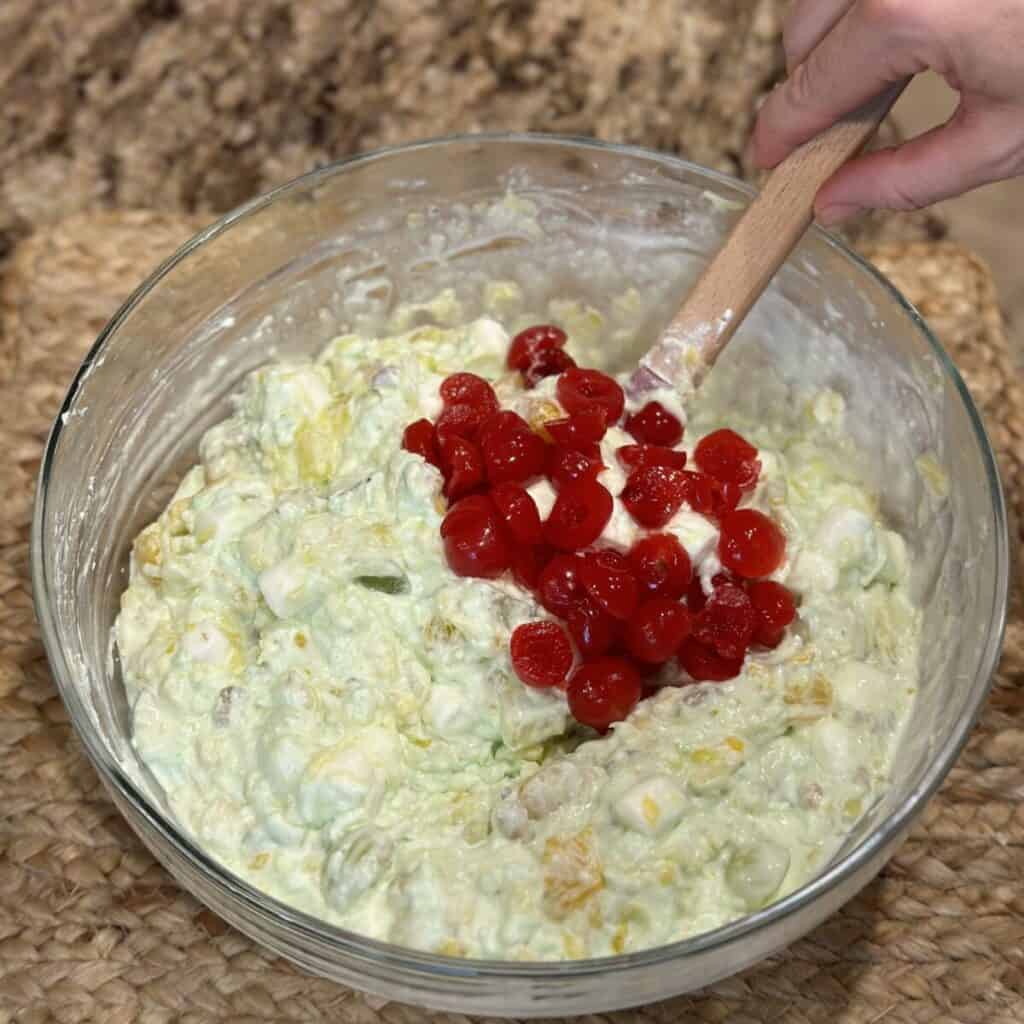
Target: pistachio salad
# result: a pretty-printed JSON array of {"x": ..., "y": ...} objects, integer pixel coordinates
[{"x": 459, "y": 644}]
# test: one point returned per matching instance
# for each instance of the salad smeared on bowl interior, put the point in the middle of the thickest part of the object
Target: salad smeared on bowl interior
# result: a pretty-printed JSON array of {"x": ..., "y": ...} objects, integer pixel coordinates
[{"x": 450, "y": 641}]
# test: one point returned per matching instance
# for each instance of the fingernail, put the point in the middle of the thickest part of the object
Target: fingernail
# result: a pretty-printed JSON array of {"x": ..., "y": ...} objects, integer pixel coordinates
[{"x": 829, "y": 216}]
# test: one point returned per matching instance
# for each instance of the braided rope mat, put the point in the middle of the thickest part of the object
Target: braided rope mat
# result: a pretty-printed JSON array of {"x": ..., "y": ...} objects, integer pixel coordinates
[{"x": 92, "y": 928}]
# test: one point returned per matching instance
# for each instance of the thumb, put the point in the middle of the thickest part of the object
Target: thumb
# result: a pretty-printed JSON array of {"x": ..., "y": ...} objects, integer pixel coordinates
[{"x": 973, "y": 148}]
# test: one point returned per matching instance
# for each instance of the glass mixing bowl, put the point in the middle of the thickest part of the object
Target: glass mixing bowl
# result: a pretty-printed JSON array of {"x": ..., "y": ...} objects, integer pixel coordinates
[{"x": 339, "y": 248}]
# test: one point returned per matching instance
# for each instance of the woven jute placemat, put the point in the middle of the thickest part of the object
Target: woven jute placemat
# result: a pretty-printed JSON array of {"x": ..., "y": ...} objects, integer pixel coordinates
[{"x": 92, "y": 928}]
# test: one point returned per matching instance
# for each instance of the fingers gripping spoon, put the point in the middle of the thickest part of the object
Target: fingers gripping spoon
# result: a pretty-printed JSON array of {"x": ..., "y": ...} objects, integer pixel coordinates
[{"x": 757, "y": 246}]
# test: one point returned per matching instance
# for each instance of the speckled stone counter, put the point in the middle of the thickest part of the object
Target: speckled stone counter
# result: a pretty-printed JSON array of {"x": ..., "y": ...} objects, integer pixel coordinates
[{"x": 193, "y": 105}]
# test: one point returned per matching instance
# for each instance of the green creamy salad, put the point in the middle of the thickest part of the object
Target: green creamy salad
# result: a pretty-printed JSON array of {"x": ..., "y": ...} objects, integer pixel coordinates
[{"x": 334, "y": 715}]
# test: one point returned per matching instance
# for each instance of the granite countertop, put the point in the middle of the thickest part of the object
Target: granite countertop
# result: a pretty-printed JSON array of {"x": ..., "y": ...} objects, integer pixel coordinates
[{"x": 192, "y": 106}]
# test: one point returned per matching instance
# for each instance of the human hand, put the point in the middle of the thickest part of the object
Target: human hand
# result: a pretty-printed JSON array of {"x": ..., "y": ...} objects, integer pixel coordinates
[{"x": 841, "y": 53}]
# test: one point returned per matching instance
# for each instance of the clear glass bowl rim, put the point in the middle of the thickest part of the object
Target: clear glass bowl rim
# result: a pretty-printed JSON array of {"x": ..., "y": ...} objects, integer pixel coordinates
[{"x": 408, "y": 960}]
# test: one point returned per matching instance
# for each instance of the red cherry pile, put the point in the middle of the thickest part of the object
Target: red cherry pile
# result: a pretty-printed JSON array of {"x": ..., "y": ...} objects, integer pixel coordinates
[{"x": 623, "y": 615}]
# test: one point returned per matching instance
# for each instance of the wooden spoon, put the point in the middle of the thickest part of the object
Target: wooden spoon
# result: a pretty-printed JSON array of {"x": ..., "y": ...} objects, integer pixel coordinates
[{"x": 757, "y": 246}]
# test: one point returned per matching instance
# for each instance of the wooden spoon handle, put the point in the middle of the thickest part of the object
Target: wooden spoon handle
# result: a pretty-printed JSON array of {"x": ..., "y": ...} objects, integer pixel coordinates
[{"x": 756, "y": 247}]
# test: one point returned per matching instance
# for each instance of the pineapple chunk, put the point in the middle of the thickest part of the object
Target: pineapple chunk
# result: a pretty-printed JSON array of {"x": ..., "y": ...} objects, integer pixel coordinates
[{"x": 572, "y": 873}]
